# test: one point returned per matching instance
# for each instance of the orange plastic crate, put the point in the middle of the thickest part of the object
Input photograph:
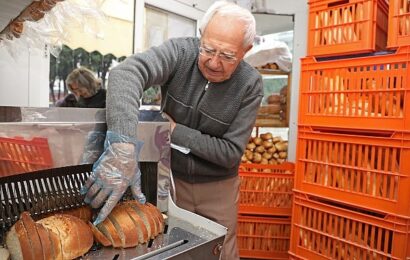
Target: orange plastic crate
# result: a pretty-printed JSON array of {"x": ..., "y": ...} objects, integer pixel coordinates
[
  {"x": 339, "y": 27},
  {"x": 266, "y": 189},
  {"x": 365, "y": 171},
  {"x": 263, "y": 238},
  {"x": 399, "y": 23},
  {"x": 324, "y": 231},
  {"x": 18, "y": 155},
  {"x": 359, "y": 93}
]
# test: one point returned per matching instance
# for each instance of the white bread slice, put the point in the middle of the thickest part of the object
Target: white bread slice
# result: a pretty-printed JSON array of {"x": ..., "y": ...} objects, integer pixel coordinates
[
  {"x": 99, "y": 236},
  {"x": 18, "y": 243},
  {"x": 76, "y": 238},
  {"x": 4, "y": 254},
  {"x": 108, "y": 229},
  {"x": 144, "y": 213},
  {"x": 126, "y": 228},
  {"x": 148, "y": 221},
  {"x": 139, "y": 224},
  {"x": 33, "y": 237}
]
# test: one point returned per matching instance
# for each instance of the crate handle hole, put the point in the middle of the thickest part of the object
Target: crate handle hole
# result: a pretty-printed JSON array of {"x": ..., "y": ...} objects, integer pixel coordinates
[{"x": 342, "y": 2}]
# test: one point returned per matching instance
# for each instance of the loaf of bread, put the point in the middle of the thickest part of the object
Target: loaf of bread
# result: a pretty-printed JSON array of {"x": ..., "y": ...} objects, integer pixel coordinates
[
  {"x": 129, "y": 224},
  {"x": 56, "y": 237}
]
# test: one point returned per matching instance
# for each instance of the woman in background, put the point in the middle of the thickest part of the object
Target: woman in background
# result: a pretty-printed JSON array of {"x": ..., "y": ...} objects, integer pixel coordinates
[{"x": 86, "y": 90}]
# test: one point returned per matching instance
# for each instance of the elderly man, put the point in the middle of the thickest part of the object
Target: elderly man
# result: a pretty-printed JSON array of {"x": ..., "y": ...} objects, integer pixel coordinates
[{"x": 211, "y": 97}]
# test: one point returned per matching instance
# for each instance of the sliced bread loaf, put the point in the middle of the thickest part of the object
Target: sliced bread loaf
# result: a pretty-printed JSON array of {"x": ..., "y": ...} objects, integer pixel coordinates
[
  {"x": 33, "y": 237},
  {"x": 99, "y": 236},
  {"x": 18, "y": 243},
  {"x": 125, "y": 227}
]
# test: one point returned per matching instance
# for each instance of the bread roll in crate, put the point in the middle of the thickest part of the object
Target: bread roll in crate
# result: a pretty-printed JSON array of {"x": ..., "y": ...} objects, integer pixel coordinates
[
  {"x": 347, "y": 27},
  {"x": 366, "y": 93},
  {"x": 263, "y": 237},
  {"x": 370, "y": 170},
  {"x": 399, "y": 23},
  {"x": 323, "y": 229},
  {"x": 266, "y": 189},
  {"x": 265, "y": 149}
]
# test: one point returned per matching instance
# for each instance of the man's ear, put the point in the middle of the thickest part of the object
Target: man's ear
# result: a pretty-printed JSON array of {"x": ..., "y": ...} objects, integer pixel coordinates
[{"x": 248, "y": 48}]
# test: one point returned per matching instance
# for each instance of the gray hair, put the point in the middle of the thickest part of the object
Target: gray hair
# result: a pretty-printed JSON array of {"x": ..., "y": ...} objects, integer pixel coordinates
[
  {"x": 225, "y": 8},
  {"x": 84, "y": 78}
]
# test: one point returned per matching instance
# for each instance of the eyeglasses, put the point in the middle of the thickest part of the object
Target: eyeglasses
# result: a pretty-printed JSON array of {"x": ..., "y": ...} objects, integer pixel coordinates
[{"x": 210, "y": 53}]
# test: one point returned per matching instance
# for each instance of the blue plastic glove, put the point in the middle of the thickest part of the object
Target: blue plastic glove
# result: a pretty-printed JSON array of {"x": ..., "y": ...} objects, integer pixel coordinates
[
  {"x": 93, "y": 148},
  {"x": 115, "y": 171}
]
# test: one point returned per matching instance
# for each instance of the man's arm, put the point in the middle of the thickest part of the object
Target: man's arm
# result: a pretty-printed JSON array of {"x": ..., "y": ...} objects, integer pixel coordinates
[{"x": 128, "y": 80}]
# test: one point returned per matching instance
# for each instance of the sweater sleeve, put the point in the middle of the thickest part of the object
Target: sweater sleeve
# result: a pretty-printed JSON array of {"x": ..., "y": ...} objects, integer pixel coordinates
[
  {"x": 227, "y": 150},
  {"x": 128, "y": 80}
]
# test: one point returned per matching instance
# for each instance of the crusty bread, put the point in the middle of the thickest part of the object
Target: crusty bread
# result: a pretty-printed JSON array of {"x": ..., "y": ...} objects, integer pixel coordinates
[
  {"x": 137, "y": 222},
  {"x": 143, "y": 211},
  {"x": 48, "y": 250},
  {"x": 75, "y": 237},
  {"x": 147, "y": 220},
  {"x": 33, "y": 237},
  {"x": 55, "y": 244},
  {"x": 158, "y": 213},
  {"x": 130, "y": 223},
  {"x": 125, "y": 226},
  {"x": 18, "y": 243},
  {"x": 108, "y": 229},
  {"x": 4, "y": 254},
  {"x": 99, "y": 236}
]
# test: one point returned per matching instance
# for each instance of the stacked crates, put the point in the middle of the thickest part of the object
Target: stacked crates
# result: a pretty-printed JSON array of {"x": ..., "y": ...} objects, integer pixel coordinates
[
  {"x": 352, "y": 185},
  {"x": 18, "y": 155},
  {"x": 265, "y": 206}
]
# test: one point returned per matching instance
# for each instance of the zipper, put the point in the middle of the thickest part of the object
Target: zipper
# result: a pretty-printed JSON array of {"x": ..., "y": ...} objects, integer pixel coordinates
[
  {"x": 200, "y": 97},
  {"x": 191, "y": 166}
]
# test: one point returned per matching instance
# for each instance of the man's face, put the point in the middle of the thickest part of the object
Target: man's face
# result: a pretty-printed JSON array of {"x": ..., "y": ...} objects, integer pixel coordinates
[{"x": 221, "y": 48}]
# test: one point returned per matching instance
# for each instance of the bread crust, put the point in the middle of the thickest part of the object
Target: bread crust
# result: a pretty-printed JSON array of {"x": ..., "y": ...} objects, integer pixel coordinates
[
  {"x": 32, "y": 235},
  {"x": 128, "y": 229},
  {"x": 74, "y": 235},
  {"x": 147, "y": 220},
  {"x": 139, "y": 224},
  {"x": 109, "y": 227},
  {"x": 143, "y": 211},
  {"x": 99, "y": 236},
  {"x": 24, "y": 240},
  {"x": 158, "y": 213},
  {"x": 48, "y": 251}
]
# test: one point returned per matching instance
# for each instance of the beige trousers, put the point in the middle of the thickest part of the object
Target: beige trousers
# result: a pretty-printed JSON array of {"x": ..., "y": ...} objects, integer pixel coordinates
[{"x": 217, "y": 201}]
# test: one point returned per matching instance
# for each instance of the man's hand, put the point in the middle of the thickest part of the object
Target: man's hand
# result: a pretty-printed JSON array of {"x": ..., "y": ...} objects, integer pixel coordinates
[{"x": 113, "y": 173}]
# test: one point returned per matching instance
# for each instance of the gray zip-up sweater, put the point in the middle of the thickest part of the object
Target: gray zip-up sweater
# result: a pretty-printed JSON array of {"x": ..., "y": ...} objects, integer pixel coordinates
[{"x": 214, "y": 122}]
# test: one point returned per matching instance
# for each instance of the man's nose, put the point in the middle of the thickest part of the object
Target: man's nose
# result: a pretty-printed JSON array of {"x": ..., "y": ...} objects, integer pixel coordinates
[{"x": 214, "y": 61}]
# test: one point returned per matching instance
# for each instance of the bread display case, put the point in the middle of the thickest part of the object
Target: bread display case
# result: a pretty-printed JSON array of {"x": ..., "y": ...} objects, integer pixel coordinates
[{"x": 56, "y": 186}]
